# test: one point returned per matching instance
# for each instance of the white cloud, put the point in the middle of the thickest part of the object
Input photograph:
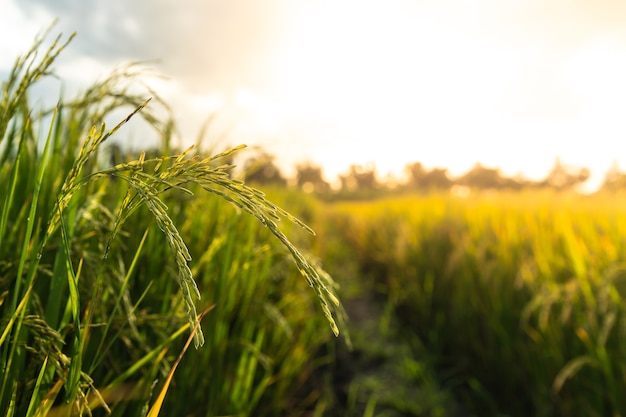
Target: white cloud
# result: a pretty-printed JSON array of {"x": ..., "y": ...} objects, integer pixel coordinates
[{"x": 18, "y": 31}]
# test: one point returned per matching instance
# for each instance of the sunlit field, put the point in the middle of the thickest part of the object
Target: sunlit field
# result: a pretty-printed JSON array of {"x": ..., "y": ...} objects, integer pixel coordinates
[
  {"x": 157, "y": 283},
  {"x": 515, "y": 299}
]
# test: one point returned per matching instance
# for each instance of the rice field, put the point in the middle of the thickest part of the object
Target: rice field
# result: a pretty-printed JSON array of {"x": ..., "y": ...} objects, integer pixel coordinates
[
  {"x": 496, "y": 304},
  {"x": 516, "y": 299}
]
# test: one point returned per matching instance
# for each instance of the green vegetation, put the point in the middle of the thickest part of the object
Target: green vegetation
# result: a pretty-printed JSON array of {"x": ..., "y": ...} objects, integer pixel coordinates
[
  {"x": 500, "y": 303},
  {"x": 515, "y": 300},
  {"x": 97, "y": 287}
]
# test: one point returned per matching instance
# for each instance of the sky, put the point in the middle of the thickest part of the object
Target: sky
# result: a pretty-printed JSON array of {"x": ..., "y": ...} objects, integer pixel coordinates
[{"x": 512, "y": 84}]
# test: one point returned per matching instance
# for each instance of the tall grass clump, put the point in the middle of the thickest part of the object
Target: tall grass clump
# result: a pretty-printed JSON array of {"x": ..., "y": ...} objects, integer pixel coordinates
[
  {"x": 517, "y": 298},
  {"x": 97, "y": 283}
]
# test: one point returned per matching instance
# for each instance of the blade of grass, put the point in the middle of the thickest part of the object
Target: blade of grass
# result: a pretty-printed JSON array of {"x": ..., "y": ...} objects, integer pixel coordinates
[
  {"x": 34, "y": 399},
  {"x": 16, "y": 314},
  {"x": 158, "y": 403},
  {"x": 118, "y": 301},
  {"x": 10, "y": 194},
  {"x": 150, "y": 356},
  {"x": 72, "y": 277},
  {"x": 44, "y": 409},
  {"x": 24, "y": 254}
]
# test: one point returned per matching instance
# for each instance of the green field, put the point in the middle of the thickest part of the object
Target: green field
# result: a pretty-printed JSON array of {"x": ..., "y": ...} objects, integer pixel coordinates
[
  {"x": 515, "y": 301},
  {"x": 498, "y": 304}
]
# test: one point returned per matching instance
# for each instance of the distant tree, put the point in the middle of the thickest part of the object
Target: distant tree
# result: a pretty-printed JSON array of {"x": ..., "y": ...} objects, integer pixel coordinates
[
  {"x": 420, "y": 178},
  {"x": 438, "y": 178},
  {"x": 310, "y": 178},
  {"x": 614, "y": 180},
  {"x": 482, "y": 177},
  {"x": 262, "y": 170},
  {"x": 360, "y": 178},
  {"x": 564, "y": 178},
  {"x": 519, "y": 181}
]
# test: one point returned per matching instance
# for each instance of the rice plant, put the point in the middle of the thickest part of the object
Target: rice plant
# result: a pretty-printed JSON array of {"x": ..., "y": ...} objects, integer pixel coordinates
[{"x": 88, "y": 311}]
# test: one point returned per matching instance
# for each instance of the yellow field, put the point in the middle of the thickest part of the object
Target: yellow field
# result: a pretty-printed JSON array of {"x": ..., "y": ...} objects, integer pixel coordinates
[{"x": 518, "y": 297}]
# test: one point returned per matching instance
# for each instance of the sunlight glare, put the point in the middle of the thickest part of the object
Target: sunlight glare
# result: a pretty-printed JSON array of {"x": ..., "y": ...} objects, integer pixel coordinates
[{"x": 389, "y": 81}]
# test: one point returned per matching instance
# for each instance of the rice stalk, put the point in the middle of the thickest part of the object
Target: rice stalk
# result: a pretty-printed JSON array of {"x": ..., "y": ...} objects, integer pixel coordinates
[{"x": 180, "y": 173}]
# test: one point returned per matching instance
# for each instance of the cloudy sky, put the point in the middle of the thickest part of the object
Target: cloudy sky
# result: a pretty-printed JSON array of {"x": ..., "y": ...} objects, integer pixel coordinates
[{"x": 508, "y": 83}]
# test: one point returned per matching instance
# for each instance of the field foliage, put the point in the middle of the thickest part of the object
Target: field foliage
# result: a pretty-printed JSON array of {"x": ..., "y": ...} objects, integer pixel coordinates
[
  {"x": 517, "y": 299},
  {"x": 494, "y": 304},
  {"x": 98, "y": 288}
]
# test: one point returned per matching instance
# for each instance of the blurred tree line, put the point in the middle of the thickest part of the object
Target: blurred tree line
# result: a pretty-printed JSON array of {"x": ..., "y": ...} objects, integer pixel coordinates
[{"x": 364, "y": 179}]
